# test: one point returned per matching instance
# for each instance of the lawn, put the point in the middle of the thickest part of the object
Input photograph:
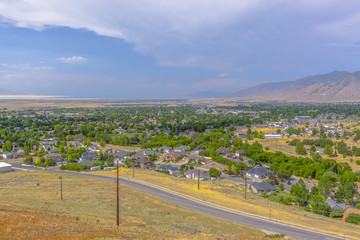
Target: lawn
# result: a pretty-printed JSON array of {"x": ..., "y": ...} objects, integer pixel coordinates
[{"x": 30, "y": 208}]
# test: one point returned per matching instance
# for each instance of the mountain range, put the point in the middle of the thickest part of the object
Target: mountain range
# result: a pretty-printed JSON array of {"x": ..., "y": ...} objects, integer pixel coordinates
[
  {"x": 331, "y": 87},
  {"x": 4, "y": 91}
]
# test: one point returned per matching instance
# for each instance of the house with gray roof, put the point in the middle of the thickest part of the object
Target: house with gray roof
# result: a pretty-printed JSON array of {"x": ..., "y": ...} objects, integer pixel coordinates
[
  {"x": 165, "y": 149},
  {"x": 336, "y": 206},
  {"x": 119, "y": 154},
  {"x": 223, "y": 151},
  {"x": 259, "y": 187},
  {"x": 193, "y": 174},
  {"x": 7, "y": 155},
  {"x": 88, "y": 156},
  {"x": 172, "y": 170},
  {"x": 182, "y": 148},
  {"x": 293, "y": 181},
  {"x": 46, "y": 147},
  {"x": 259, "y": 172}
]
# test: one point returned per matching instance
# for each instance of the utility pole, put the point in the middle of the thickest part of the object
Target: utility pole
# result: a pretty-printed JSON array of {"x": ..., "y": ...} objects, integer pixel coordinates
[
  {"x": 117, "y": 193},
  {"x": 245, "y": 186},
  {"x": 61, "y": 187},
  {"x": 198, "y": 179},
  {"x": 133, "y": 169}
]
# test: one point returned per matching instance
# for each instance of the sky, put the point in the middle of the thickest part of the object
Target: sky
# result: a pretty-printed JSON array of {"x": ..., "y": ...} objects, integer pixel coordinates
[{"x": 171, "y": 49}]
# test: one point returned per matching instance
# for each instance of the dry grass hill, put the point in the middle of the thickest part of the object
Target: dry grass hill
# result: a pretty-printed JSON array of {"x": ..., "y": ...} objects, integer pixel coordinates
[{"x": 330, "y": 87}]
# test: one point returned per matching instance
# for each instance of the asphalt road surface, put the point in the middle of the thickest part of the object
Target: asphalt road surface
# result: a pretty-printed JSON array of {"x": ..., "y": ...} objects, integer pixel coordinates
[{"x": 270, "y": 226}]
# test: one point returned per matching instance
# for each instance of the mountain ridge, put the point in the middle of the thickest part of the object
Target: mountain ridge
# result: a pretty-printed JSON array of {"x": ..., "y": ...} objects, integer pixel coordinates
[{"x": 333, "y": 86}]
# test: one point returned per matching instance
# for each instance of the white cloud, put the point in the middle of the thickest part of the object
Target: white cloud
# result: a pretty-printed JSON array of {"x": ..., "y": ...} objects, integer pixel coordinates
[
  {"x": 73, "y": 59},
  {"x": 222, "y": 75},
  {"x": 214, "y": 34}
]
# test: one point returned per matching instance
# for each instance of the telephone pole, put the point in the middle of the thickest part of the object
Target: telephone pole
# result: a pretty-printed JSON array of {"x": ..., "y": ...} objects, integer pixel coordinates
[
  {"x": 133, "y": 169},
  {"x": 245, "y": 185},
  {"x": 198, "y": 179},
  {"x": 61, "y": 197},
  {"x": 117, "y": 193}
]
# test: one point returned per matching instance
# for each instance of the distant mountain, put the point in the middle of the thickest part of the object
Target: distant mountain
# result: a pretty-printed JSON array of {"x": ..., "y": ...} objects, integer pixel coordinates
[
  {"x": 330, "y": 87},
  {"x": 8, "y": 92},
  {"x": 209, "y": 94}
]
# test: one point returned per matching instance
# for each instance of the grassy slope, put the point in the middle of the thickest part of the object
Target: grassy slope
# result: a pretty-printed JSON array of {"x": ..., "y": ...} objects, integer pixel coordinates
[
  {"x": 230, "y": 194},
  {"x": 30, "y": 208}
]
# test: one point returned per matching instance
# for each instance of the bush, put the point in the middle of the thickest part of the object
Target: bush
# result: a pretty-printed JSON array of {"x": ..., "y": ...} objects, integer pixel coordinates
[
  {"x": 286, "y": 201},
  {"x": 213, "y": 172},
  {"x": 336, "y": 214},
  {"x": 267, "y": 148},
  {"x": 358, "y": 162},
  {"x": 73, "y": 167},
  {"x": 275, "y": 235},
  {"x": 28, "y": 160},
  {"x": 353, "y": 218}
]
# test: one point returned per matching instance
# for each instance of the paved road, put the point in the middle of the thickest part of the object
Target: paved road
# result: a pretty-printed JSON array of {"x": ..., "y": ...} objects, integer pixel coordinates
[{"x": 270, "y": 226}]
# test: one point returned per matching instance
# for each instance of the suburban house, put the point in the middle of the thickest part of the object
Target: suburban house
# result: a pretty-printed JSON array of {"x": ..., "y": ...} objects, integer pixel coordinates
[
  {"x": 172, "y": 156},
  {"x": 240, "y": 153},
  {"x": 93, "y": 147},
  {"x": 336, "y": 206},
  {"x": 182, "y": 148},
  {"x": 223, "y": 151},
  {"x": 241, "y": 133},
  {"x": 259, "y": 172},
  {"x": 19, "y": 152},
  {"x": 88, "y": 156},
  {"x": 268, "y": 136},
  {"x": 46, "y": 147},
  {"x": 54, "y": 150},
  {"x": 349, "y": 211},
  {"x": 259, "y": 187},
  {"x": 195, "y": 158},
  {"x": 293, "y": 181},
  {"x": 165, "y": 149},
  {"x": 143, "y": 163},
  {"x": 172, "y": 170},
  {"x": 7, "y": 155},
  {"x": 199, "y": 149},
  {"x": 143, "y": 153},
  {"x": 193, "y": 174},
  {"x": 119, "y": 154}
]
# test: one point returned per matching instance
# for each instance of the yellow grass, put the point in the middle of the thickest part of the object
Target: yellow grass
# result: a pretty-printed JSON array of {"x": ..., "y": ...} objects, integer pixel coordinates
[
  {"x": 30, "y": 208},
  {"x": 227, "y": 194}
]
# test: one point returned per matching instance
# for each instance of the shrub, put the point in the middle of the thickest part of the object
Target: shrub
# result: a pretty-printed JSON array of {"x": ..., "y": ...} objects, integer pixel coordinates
[
  {"x": 353, "y": 218},
  {"x": 73, "y": 167},
  {"x": 336, "y": 214}
]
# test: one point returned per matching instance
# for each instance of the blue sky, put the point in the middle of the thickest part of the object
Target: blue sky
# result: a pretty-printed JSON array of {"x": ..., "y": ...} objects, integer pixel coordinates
[{"x": 162, "y": 49}]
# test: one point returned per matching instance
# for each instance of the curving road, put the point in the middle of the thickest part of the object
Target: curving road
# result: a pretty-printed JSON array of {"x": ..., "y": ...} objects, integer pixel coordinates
[{"x": 228, "y": 215}]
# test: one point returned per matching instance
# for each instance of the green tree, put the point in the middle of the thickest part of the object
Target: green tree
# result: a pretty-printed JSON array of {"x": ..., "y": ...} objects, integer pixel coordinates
[
  {"x": 102, "y": 143},
  {"x": 28, "y": 160},
  {"x": 300, "y": 148},
  {"x": 328, "y": 150},
  {"x": 327, "y": 183},
  {"x": 8, "y": 146},
  {"x": 214, "y": 173}
]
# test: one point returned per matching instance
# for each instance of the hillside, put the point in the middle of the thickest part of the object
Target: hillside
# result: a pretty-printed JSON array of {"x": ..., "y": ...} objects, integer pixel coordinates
[{"x": 330, "y": 87}]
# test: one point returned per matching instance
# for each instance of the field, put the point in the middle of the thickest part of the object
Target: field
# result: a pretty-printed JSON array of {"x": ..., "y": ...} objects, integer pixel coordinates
[
  {"x": 30, "y": 208},
  {"x": 230, "y": 194}
]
